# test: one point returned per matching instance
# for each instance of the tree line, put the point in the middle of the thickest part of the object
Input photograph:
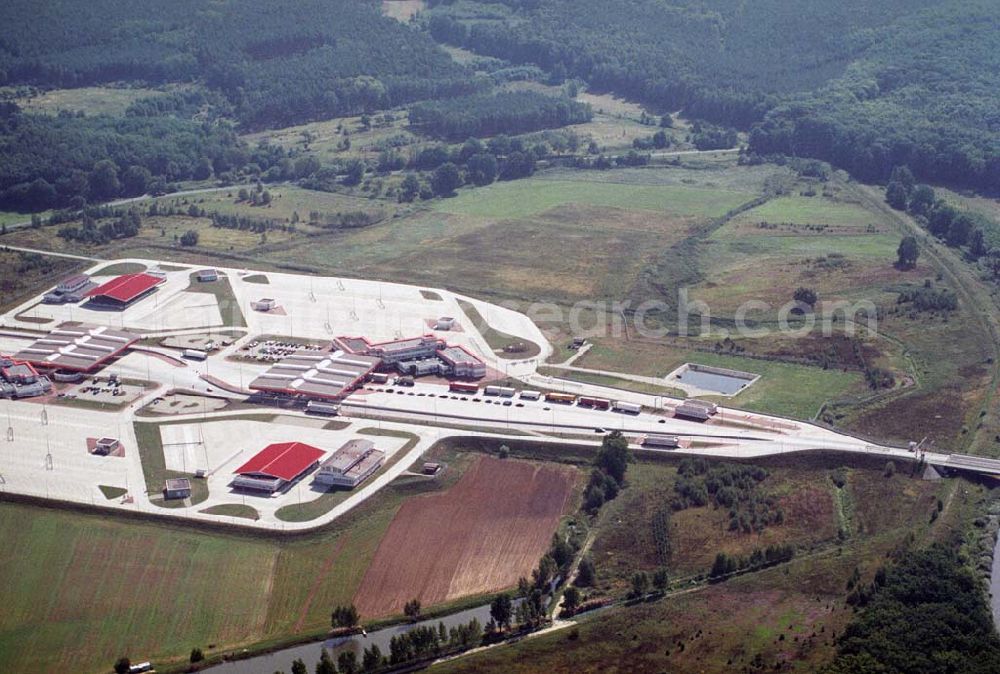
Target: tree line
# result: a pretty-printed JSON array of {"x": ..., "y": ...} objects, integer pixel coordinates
[
  {"x": 509, "y": 112},
  {"x": 954, "y": 227}
]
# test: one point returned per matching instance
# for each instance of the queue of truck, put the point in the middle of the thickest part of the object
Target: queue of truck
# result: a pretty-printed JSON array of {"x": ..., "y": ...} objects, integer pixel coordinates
[{"x": 621, "y": 406}]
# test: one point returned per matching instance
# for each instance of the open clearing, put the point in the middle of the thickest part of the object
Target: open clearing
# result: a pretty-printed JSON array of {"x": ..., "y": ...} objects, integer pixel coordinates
[
  {"x": 799, "y": 210},
  {"x": 402, "y": 10},
  {"x": 88, "y": 100},
  {"x": 480, "y": 536},
  {"x": 518, "y": 199}
]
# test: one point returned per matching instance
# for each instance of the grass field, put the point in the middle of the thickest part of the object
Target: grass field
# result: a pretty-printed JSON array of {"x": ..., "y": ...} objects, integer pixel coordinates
[
  {"x": 514, "y": 259},
  {"x": 112, "y": 493},
  {"x": 119, "y": 268},
  {"x": 8, "y": 218},
  {"x": 159, "y": 236},
  {"x": 286, "y": 201},
  {"x": 233, "y": 510},
  {"x": 613, "y": 382},
  {"x": 803, "y": 490},
  {"x": 325, "y": 139},
  {"x": 784, "y": 388},
  {"x": 524, "y": 198},
  {"x": 131, "y": 588},
  {"x": 155, "y": 591},
  {"x": 835, "y": 245},
  {"x": 987, "y": 210},
  {"x": 781, "y": 615},
  {"x": 818, "y": 210}
]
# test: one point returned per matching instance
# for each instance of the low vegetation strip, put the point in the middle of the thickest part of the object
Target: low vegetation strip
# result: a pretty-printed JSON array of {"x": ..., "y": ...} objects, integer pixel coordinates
[
  {"x": 154, "y": 466},
  {"x": 506, "y": 346},
  {"x": 479, "y": 536},
  {"x": 612, "y": 382},
  {"x": 221, "y": 289}
]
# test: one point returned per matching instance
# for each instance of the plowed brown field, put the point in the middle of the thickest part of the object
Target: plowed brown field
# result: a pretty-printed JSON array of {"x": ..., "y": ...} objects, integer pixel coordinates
[{"x": 480, "y": 536}]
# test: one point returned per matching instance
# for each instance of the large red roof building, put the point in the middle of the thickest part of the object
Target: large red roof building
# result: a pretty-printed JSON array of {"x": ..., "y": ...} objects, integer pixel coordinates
[
  {"x": 277, "y": 465},
  {"x": 126, "y": 289}
]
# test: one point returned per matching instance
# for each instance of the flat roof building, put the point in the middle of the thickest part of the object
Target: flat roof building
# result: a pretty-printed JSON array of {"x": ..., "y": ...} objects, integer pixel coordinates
[
  {"x": 124, "y": 290},
  {"x": 264, "y": 304},
  {"x": 316, "y": 375},
  {"x": 350, "y": 465},
  {"x": 71, "y": 290},
  {"x": 18, "y": 379},
  {"x": 177, "y": 488},
  {"x": 207, "y": 275},
  {"x": 77, "y": 346},
  {"x": 276, "y": 466},
  {"x": 105, "y": 446},
  {"x": 412, "y": 348},
  {"x": 461, "y": 363},
  {"x": 73, "y": 283},
  {"x": 416, "y": 355},
  {"x": 420, "y": 366}
]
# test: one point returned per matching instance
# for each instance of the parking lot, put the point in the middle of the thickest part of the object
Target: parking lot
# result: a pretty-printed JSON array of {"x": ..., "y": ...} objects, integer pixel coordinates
[
  {"x": 111, "y": 391},
  {"x": 272, "y": 350}
]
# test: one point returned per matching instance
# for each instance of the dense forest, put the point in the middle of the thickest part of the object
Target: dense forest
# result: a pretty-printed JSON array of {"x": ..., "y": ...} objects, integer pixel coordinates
[
  {"x": 66, "y": 161},
  {"x": 865, "y": 85},
  {"x": 922, "y": 613},
  {"x": 256, "y": 63},
  {"x": 278, "y": 62}
]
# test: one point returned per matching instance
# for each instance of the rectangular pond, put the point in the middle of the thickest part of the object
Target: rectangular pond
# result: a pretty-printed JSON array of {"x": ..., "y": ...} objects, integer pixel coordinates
[{"x": 709, "y": 379}]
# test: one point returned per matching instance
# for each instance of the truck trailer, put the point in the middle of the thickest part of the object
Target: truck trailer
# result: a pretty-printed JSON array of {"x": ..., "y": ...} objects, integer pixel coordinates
[
  {"x": 625, "y": 407},
  {"x": 463, "y": 387},
  {"x": 596, "y": 403}
]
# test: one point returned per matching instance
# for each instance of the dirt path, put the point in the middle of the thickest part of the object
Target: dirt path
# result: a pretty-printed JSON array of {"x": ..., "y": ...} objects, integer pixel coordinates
[{"x": 982, "y": 307}]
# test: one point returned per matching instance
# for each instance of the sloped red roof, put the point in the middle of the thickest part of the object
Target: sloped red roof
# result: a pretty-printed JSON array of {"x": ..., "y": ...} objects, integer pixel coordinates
[
  {"x": 127, "y": 287},
  {"x": 285, "y": 460}
]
